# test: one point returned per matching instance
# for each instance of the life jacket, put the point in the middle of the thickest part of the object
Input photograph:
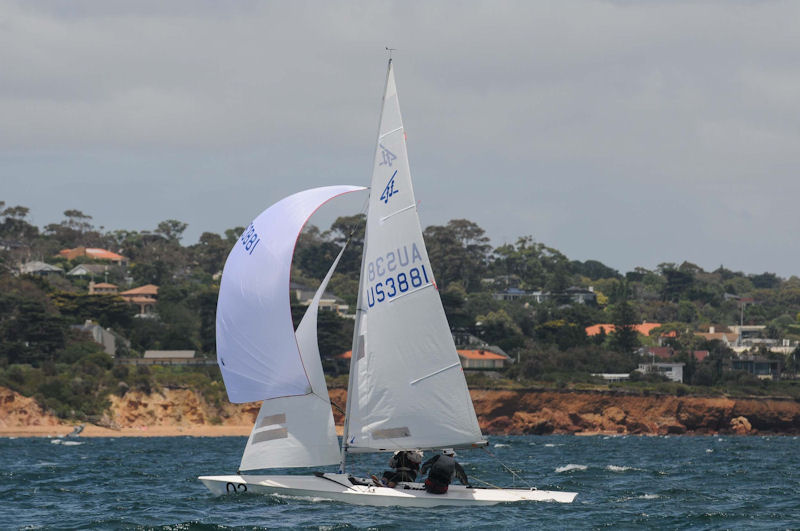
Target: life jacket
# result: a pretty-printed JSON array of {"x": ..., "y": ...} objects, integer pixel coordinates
[
  {"x": 443, "y": 470},
  {"x": 406, "y": 469}
]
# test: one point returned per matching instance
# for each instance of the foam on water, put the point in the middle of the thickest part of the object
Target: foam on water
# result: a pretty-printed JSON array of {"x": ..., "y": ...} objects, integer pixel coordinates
[
  {"x": 615, "y": 468},
  {"x": 570, "y": 468}
]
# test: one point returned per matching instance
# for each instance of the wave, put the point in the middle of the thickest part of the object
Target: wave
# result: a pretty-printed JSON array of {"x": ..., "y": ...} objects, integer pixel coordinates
[
  {"x": 501, "y": 445},
  {"x": 570, "y": 468},
  {"x": 615, "y": 468}
]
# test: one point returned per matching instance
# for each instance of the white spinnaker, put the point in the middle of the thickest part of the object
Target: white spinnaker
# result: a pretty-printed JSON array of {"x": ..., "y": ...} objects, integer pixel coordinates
[
  {"x": 297, "y": 431},
  {"x": 257, "y": 350},
  {"x": 409, "y": 389}
]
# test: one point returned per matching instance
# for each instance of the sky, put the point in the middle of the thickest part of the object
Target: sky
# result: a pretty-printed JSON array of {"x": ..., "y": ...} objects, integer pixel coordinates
[{"x": 633, "y": 133}]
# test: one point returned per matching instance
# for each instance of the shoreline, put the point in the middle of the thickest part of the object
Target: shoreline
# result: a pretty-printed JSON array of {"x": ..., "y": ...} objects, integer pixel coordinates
[{"x": 92, "y": 431}]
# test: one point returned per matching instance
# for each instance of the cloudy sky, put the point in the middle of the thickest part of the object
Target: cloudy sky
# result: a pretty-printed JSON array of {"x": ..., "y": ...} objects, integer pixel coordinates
[{"x": 633, "y": 133}]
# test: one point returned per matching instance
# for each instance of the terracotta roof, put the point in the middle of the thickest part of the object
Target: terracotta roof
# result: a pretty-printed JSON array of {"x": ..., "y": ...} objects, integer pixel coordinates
[
  {"x": 104, "y": 285},
  {"x": 660, "y": 352},
  {"x": 147, "y": 289},
  {"x": 344, "y": 355},
  {"x": 91, "y": 252},
  {"x": 700, "y": 355},
  {"x": 480, "y": 355},
  {"x": 644, "y": 328}
]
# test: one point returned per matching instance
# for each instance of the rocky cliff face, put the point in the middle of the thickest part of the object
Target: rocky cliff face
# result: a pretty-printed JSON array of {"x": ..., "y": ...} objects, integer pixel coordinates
[
  {"x": 542, "y": 412},
  {"x": 18, "y": 411},
  {"x": 175, "y": 407},
  {"x": 499, "y": 412}
]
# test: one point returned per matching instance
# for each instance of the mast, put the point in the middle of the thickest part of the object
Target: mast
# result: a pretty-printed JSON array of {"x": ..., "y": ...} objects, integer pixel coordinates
[{"x": 360, "y": 300}]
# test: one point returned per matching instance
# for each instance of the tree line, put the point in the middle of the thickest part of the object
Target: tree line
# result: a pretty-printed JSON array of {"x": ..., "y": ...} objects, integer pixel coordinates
[{"x": 547, "y": 338}]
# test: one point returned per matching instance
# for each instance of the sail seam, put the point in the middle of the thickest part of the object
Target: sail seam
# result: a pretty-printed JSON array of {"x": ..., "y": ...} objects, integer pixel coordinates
[
  {"x": 392, "y": 131},
  {"x": 401, "y": 295},
  {"x": 434, "y": 373},
  {"x": 409, "y": 207}
]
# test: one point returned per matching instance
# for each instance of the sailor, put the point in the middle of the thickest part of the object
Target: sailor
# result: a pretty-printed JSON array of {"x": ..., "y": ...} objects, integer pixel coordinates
[
  {"x": 405, "y": 464},
  {"x": 443, "y": 467}
]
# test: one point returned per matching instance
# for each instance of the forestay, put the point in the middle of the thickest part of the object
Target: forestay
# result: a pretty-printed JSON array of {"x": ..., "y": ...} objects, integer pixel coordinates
[
  {"x": 257, "y": 350},
  {"x": 407, "y": 389}
]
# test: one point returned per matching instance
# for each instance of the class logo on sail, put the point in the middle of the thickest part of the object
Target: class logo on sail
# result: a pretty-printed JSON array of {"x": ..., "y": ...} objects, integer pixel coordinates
[
  {"x": 390, "y": 190},
  {"x": 387, "y": 157}
]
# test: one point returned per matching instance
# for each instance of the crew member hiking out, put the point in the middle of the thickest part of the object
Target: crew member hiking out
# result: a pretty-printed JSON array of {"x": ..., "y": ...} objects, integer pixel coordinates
[
  {"x": 443, "y": 467},
  {"x": 405, "y": 464}
]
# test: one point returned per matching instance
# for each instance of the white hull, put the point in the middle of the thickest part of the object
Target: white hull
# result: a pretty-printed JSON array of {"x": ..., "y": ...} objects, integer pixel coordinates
[{"x": 337, "y": 487}]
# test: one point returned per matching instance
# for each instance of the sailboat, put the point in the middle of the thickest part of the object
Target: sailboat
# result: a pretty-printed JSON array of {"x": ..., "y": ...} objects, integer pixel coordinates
[{"x": 406, "y": 388}]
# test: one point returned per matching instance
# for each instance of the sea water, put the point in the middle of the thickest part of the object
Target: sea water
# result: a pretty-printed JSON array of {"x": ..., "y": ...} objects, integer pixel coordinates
[{"x": 708, "y": 482}]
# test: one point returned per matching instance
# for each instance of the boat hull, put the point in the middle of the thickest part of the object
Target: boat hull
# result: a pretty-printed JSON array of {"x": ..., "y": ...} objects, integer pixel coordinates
[{"x": 337, "y": 487}]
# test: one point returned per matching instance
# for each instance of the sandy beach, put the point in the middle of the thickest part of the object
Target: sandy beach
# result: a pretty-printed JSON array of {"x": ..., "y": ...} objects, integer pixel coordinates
[{"x": 91, "y": 430}]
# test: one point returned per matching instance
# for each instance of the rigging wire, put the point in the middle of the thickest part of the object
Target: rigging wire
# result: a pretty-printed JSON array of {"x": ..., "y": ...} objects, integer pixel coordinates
[{"x": 512, "y": 472}]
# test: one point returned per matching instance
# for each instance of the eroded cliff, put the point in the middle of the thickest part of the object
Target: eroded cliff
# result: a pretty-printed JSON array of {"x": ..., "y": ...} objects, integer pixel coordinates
[{"x": 499, "y": 412}]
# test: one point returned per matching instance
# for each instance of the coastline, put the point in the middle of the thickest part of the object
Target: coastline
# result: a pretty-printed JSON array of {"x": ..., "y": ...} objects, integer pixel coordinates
[{"x": 184, "y": 413}]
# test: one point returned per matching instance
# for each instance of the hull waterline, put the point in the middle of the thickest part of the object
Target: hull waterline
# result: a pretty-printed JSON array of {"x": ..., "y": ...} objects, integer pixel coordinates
[{"x": 337, "y": 487}]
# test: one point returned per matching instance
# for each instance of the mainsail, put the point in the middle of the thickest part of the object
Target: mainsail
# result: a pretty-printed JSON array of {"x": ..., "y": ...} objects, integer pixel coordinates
[{"x": 407, "y": 388}]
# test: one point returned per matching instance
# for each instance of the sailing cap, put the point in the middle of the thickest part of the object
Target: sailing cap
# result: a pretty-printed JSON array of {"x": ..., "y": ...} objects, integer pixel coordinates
[{"x": 449, "y": 451}]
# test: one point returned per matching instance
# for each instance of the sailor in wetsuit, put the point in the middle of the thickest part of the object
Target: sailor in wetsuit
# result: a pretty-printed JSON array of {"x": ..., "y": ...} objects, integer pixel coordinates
[
  {"x": 443, "y": 467},
  {"x": 405, "y": 464}
]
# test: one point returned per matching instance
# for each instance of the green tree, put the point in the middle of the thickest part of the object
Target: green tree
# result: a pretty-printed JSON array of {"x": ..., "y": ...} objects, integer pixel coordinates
[{"x": 624, "y": 338}]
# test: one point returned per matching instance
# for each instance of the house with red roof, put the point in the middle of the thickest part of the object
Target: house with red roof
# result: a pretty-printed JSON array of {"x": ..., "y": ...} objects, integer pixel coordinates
[
  {"x": 145, "y": 297},
  {"x": 644, "y": 328},
  {"x": 93, "y": 253}
]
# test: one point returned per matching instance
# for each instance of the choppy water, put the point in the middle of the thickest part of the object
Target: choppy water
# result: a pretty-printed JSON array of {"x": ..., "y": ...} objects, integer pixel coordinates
[{"x": 623, "y": 482}]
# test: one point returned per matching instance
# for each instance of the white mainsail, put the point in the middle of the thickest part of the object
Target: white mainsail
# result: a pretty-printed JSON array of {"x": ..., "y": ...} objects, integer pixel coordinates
[
  {"x": 257, "y": 350},
  {"x": 297, "y": 431},
  {"x": 407, "y": 388}
]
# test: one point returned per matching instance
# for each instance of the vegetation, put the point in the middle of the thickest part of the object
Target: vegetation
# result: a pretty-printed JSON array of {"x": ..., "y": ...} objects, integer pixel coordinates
[{"x": 41, "y": 354}]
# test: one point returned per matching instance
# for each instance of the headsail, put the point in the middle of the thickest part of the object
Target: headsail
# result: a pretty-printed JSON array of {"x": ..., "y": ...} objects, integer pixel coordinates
[
  {"x": 257, "y": 350},
  {"x": 407, "y": 389},
  {"x": 297, "y": 431}
]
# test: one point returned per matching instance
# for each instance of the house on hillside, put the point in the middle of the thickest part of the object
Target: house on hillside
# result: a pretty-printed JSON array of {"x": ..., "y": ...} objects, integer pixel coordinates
[
  {"x": 644, "y": 328},
  {"x": 515, "y": 294},
  {"x": 145, "y": 297},
  {"x": 88, "y": 270},
  {"x": 40, "y": 269},
  {"x": 102, "y": 288},
  {"x": 328, "y": 301},
  {"x": 581, "y": 295},
  {"x": 672, "y": 371},
  {"x": 93, "y": 253},
  {"x": 102, "y": 336},
  {"x": 482, "y": 359},
  {"x": 762, "y": 368}
]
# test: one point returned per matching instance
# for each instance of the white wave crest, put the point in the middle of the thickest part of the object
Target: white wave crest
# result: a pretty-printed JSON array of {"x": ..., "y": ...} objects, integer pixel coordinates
[
  {"x": 570, "y": 468},
  {"x": 501, "y": 445},
  {"x": 615, "y": 468}
]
